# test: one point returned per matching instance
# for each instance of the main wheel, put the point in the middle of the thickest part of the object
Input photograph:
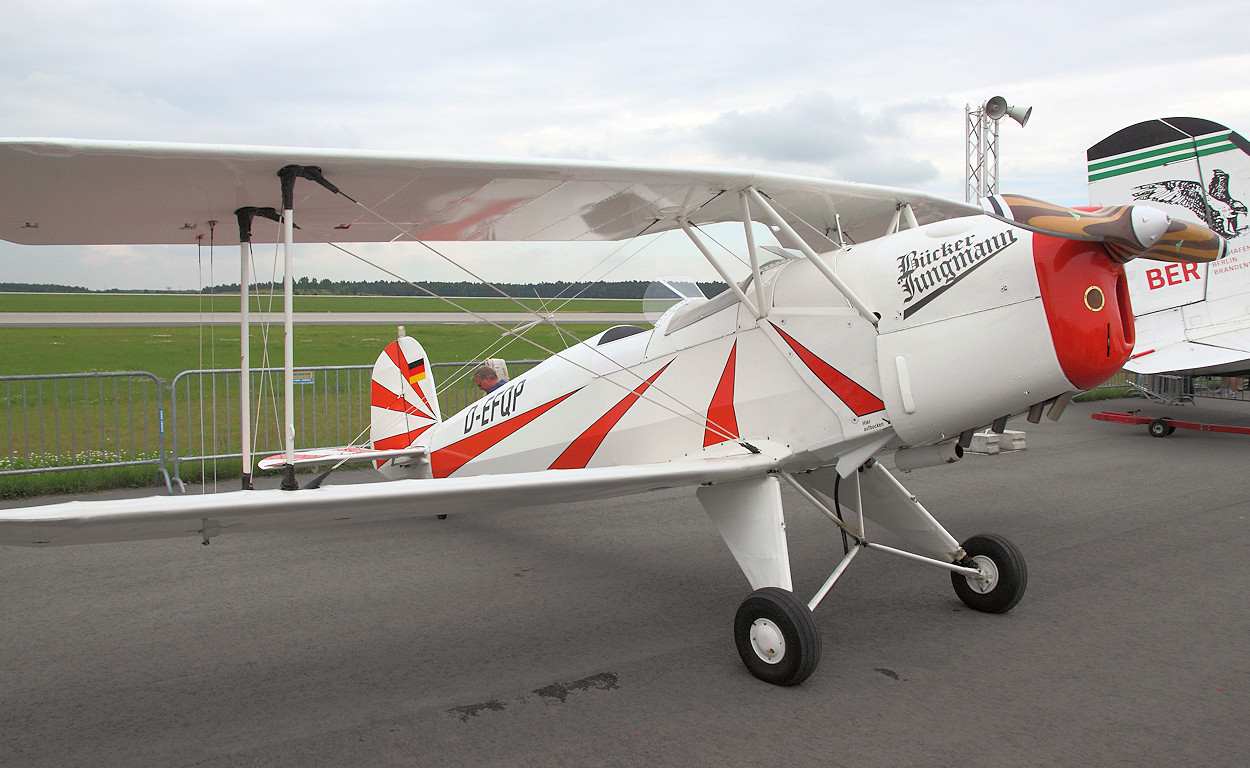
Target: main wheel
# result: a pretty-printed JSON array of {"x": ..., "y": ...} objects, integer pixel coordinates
[
  {"x": 1160, "y": 428},
  {"x": 777, "y": 636},
  {"x": 1005, "y": 575}
]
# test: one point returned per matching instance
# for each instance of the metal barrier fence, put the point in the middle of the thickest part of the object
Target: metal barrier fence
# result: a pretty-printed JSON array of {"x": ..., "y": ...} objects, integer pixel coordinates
[
  {"x": 83, "y": 420},
  {"x": 62, "y": 422},
  {"x": 1171, "y": 389},
  {"x": 1223, "y": 387},
  {"x": 331, "y": 408}
]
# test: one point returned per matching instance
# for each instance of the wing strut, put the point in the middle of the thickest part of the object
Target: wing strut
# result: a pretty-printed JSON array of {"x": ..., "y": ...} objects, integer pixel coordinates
[
  {"x": 733, "y": 286},
  {"x": 755, "y": 259},
  {"x": 288, "y": 175},
  {"x": 816, "y": 261},
  {"x": 245, "y": 216}
]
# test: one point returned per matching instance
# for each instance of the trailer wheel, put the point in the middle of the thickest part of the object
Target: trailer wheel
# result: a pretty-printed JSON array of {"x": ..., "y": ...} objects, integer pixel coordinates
[{"x": 1160, "y": 428}]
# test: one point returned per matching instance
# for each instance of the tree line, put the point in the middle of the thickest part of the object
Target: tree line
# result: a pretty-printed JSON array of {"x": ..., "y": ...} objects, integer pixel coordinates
[
  {"x": 311, "y": 286},
  {"x": 40, "y": 288}
]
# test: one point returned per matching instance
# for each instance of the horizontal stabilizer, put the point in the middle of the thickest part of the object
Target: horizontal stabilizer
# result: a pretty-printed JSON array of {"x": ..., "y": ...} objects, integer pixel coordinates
[{"x": 347, "y": 454}]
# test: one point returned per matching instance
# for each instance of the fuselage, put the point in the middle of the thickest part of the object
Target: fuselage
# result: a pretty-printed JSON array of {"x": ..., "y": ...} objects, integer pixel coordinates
[{"x": 977, "y": 319}]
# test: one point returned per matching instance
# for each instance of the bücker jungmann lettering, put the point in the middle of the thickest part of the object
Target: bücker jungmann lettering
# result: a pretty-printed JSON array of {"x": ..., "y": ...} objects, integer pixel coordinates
[{"x": 925, "y": 275}]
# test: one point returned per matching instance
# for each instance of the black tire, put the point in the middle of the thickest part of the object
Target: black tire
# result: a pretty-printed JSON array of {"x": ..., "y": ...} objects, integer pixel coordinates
[
  {"x": 774, "y": 613},
  {"x": 1009, "y": 579},
  {"x": 1160, "y": 428}
]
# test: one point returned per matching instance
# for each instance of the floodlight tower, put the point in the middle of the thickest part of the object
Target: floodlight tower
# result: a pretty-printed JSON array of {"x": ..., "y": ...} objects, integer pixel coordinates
[{"x": 981, "y": 145}]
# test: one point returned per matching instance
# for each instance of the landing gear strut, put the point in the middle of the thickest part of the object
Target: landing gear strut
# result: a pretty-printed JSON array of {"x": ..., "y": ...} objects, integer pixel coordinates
[{"x": 776, "y": 633}]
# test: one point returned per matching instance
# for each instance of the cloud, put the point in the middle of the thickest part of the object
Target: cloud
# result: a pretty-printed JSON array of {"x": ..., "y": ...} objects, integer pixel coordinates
[
  {"x": 44, "y": 103},
  {"x": 819, "y": 130},
  {"x": 795, "y": 87}
]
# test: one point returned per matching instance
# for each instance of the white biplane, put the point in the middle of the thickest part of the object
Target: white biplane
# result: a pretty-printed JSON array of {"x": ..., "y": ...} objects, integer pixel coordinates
[{"x": 895, "y": 323}]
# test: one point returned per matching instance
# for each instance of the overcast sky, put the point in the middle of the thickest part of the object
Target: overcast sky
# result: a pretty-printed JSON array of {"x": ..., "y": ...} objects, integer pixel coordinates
[{"x": 871, "y": 92}]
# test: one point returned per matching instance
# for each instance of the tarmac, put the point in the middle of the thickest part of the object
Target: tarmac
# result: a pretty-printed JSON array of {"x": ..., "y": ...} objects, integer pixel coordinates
[{"x": 587, "y": 635}]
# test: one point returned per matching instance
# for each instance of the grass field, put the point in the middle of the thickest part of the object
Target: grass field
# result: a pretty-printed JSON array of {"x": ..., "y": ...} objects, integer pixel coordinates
[
  {"x": 168, "y": 351},
  {"x": 89, "y": 421},
  {"x": 125, "y": 302}
]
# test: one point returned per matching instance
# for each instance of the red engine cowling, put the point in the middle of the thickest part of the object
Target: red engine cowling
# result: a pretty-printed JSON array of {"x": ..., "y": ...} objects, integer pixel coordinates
[
  {"x": 994, "y": 321},
  {"x": 1085, "y": 295}
]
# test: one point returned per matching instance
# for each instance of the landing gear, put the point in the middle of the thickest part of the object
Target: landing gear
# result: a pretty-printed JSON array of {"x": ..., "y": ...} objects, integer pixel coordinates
[
  {"x": 777, "y": 636},
  {"x": 1003, "y": 574},
  {"x": 774, "y": 631}
]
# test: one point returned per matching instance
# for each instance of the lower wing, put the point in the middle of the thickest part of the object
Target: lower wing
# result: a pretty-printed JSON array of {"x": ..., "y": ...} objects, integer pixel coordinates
[
  {"x": 154, "y": 517},
  {"x": 1219, "y": 353}
]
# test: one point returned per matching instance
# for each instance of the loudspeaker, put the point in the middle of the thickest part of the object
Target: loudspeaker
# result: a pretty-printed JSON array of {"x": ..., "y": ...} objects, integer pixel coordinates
[
  {"x": 996, "y": 107},
  {"x": 1020, "y": 114}
]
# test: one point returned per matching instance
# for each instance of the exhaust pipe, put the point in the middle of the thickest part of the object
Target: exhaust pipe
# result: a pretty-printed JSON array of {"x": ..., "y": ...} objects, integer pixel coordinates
[{"x": 908, "y": 459}]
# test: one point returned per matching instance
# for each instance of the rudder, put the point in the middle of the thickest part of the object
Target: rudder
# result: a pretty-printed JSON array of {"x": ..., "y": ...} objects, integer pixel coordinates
[{"x": 403, "y": 403}]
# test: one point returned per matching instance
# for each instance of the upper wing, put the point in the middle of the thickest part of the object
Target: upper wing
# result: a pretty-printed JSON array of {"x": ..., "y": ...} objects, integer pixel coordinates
[
  {"x": 92, "y": 192},
  {"x": 153, "y": 517}
]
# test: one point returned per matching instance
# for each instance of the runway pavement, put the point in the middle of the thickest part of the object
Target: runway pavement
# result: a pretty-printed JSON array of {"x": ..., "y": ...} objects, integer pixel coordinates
[{"x": 600, "y": 634}]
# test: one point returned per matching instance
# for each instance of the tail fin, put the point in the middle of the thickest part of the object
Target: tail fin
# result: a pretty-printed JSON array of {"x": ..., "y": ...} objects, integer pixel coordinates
[
  {"x": 1193, "y": 170},
  {"x": 404, "y": 404}
]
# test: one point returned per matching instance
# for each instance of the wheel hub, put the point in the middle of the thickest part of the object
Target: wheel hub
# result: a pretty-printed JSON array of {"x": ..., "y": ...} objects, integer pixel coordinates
[
  {"x": 985, "y": 583},
  {"x": 767, "y": 641}
]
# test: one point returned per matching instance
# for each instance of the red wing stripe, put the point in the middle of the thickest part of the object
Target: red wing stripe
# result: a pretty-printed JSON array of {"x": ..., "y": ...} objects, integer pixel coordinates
[
  {"x": 447, "y": 460},
  {"x": 382, "y": 397},
  {"x": 722, "y": 420},
  {"x": 583, "y": 447},
  {"x": 859, "y": 400}
]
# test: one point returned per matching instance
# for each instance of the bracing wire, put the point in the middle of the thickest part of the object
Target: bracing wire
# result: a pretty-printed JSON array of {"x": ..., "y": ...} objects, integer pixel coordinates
[
  {"x": 212, "y": 357},
  {"x": 692, "y": 413},
  {"x": 212, "y": 341},
  {"x": 267, "y": 377},
  {"x": 199, "y": 305}
]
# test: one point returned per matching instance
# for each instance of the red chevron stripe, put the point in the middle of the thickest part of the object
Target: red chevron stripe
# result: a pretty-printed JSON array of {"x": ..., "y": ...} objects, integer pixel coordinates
[
  {"x": 583, "y": 447},
  {"x": 859, "y": 400},
  {"x": 381, "y": 397},
  {"x": 421, "y": 395},
  {"x": 392, "y": 351},
  {"x": 447, "y": 460},
  {"x": 721, "y": 416}
]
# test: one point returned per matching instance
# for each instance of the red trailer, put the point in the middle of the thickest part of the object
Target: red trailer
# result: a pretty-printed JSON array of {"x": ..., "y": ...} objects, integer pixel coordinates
[{"x": 1160, "y": 427}]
